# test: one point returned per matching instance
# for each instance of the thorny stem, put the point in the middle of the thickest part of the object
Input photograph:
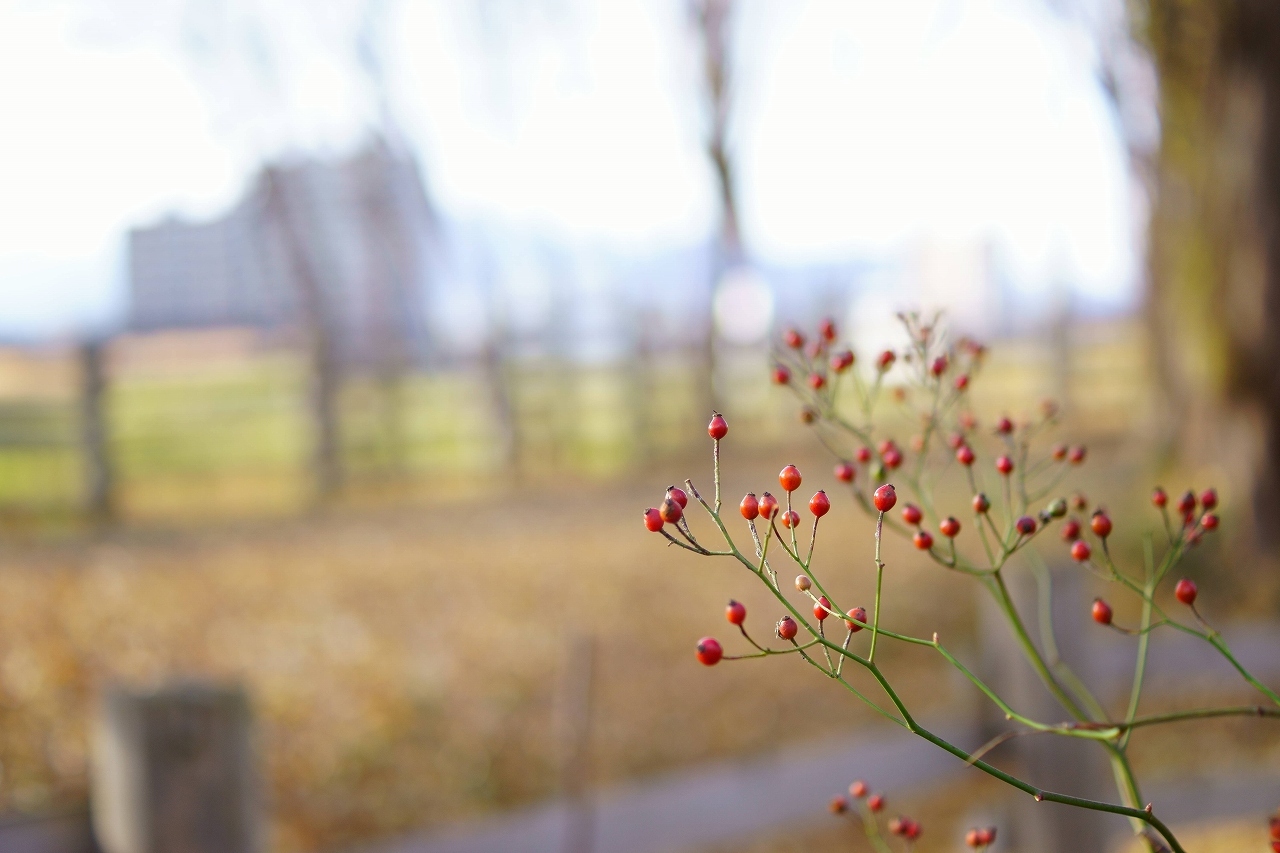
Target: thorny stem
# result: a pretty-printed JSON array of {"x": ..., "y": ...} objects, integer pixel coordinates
[
  {"x": 875, "y": 618},
  {"x": 715, "y": 455}
]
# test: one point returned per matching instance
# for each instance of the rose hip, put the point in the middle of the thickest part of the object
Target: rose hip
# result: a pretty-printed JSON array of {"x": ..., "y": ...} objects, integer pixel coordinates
[
  {"x": 1101, "y": 612},
  {"x": 911, "y": 514},
  {"x": 718, "y": 428},
  {"x": 787, "y": 628},
  {"x": 789, "y": 478},
  {"x": 735, "y": 612},
  {"x": 858, "y": 613},
  {"x": 670, "y": 510},
  {"x": 653, "y": 519},
  {"x": 821, "y": 608},
  {"x": 819, "y": 504},
  {"x": 885, "y": 497},
  {"x": 1101, "y": 524},
  {"x": 750, "y": 507},
  {"x": 709, "y": 651},
  {"x": 845, "y": 472},
  {"x": 1186, "y": 591}
]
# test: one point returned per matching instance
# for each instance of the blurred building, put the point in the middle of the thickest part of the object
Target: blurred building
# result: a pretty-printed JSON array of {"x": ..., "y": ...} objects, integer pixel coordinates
[{"x": 341, "y": 246}]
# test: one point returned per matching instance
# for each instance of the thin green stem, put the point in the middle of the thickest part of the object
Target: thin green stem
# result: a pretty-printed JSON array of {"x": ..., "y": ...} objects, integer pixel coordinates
[{"x": 875, "y": 619}]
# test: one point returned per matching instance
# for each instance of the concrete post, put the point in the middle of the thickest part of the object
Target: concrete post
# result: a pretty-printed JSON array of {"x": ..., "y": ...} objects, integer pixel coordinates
[{"x": 174, "y": 772}]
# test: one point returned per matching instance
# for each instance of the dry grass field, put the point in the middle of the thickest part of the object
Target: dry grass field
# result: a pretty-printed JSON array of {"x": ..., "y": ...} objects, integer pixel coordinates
[
  {"x": 404, "y": 662},
  {"x": 406, "y": 650}
]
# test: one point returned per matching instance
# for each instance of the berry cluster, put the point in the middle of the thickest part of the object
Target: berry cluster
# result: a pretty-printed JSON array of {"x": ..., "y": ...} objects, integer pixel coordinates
[
  {"x": 866, "y": 807},
  {"x": 933, "y": 380}
]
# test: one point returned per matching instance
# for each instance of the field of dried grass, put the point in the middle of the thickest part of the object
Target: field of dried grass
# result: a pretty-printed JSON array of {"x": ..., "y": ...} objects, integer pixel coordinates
[{"x": 404, "y": 662}]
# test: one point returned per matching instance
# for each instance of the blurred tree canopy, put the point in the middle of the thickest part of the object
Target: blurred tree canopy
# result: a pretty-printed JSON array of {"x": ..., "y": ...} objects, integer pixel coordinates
[{"x": 1214, "y": 250}]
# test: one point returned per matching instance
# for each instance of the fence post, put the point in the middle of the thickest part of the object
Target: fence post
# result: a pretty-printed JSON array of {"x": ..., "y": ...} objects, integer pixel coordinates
[
  {"x": 94, "y": 435},
  {"x": 173, "y": 772},
  {"x": 575, "y": 767}
]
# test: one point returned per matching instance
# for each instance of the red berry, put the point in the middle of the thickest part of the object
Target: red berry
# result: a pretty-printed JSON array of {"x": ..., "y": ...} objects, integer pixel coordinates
[
  {"x": 1004, "y": 465},
  {"x": 1026, "y": 525},
  {"x": 1079, "y": 501},
  {"x": 653, "y": 519},
  {"x": 1101, "y": 524},
  {"x": 1070, "y": 530},
  {"x": 827, "y": 328},
  {"x": 717, "y": 429},
  {"x": 817, "y": 381},
  {"x": 922, "y": 540},
  {"x": 750, "y": 507},
  {"x": 845, "y": 472},
  {"x": 768, "y": 506},
  {"x": 1187, "y": 503},
  {"x": 822, "y": 609},
  {"x": 842, "y": 361},
  {"x": 787, "y": 628},
  {"x": 912, "y": 830},
  {"x": 968, "y": 420},
  {"x": 858, "y": 613},
  {"x": 988, "y": 835},
  {"x": 671, "y": 511},
  {"x": 863, "y": 455},
  {"x": 886, "y": 445},
  {"x": 789, "y": 478},
  {"x": 892, "y": 458},
  {"x": 962, "y": 381},
  {"x": 781, "y": 375},
  {"x": 950, "y": 527},
  {"x": 980, "y": 503},
  {"x": 735, "y": 612},
  {"x": 709, "y": 651},
  {"x": 819, "y": 504},
  {"x": 971, "y": 839},
  {"x": 955, "y": 440},
  {"x": 790, "y": 519},
  {"x": 885, "y": 360},
  {"x": 1080, "y": 551},
  {"x": 677, "y": 494},
  {"x": 939, "y": 366},
  {"x": 1075, "y": 455},
  {"x": 1158, "y": 497},
  {"x": 838, "y": 805},
  {"x": 1101, "y": 612},
  {"x": 875, "y": 802},
  {"x": 1004, "y": 426},
  {"x": 898, "y": 826},
  {"x": 1209, "y": 498},
  {"x": 1209, "y": 521},
  {"x": 1186, "y": 591},
  {"x": 885, "y": 497},
  {"x": 911, "y": 514},
  {"x": 793, "y": 338},
  {"x": 858, "y": 789},
  {"x": 964, "y": 455},
  {"x": 1059, "y": 453}
]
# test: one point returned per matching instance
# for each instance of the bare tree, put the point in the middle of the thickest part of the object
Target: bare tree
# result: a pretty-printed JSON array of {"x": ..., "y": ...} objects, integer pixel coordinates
[{"x": 714, "y": 21}]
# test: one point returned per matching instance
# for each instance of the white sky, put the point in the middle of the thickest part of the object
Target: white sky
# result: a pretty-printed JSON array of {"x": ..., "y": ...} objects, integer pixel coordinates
[{"x": 862, "y": 126}]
